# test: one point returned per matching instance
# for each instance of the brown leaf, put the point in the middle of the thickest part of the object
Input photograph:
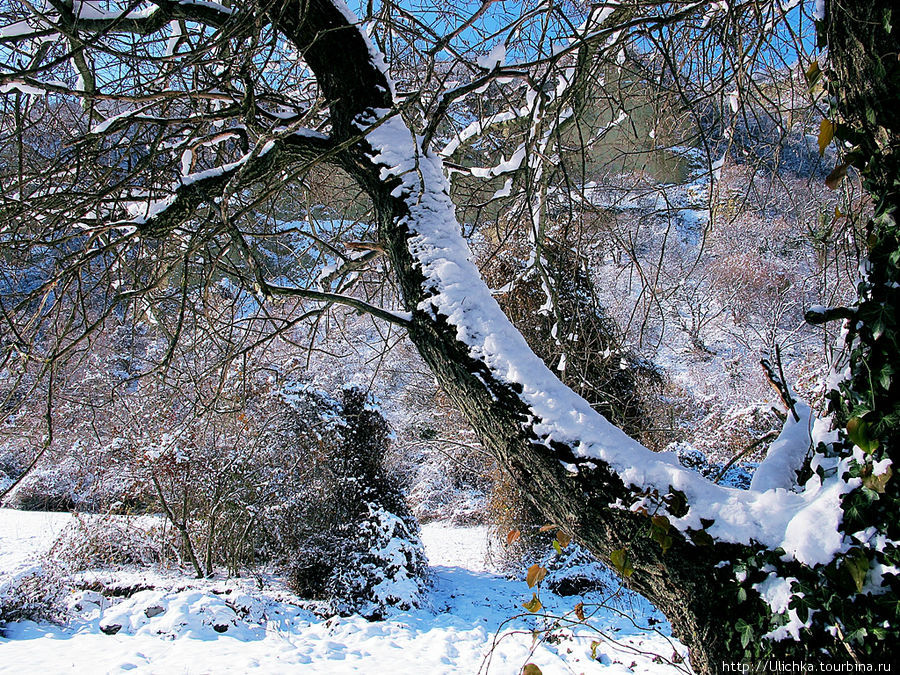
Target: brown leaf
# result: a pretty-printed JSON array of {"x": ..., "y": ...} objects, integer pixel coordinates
[
  {"x": 813, "y": 74},
  {"x": 579, "y": 611},
  {"x": 563, "y": 538},
  {"x": 511, "y": 536},
  {"x": 531, "y": 669},
  {"x": 834, "y": 178},
  {"x": 535, "y": 575},
  {"x": 826, "y": 134},
  {"x": 878, "y": 482},
  {"x": 547, "y": 527}
]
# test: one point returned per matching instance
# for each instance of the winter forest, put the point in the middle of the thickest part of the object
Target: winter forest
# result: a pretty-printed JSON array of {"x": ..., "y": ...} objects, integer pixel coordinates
[{"x": 471, "y": 336}]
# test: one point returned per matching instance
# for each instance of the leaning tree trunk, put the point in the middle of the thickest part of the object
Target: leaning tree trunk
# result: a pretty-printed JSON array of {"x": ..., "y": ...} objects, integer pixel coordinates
[
  {"x": 681, "y": 574},
  {"x": 683, "y": 581}
]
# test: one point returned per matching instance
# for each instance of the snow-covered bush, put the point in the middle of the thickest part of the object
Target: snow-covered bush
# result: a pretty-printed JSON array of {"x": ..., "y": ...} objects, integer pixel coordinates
[
  {"x": 350, "y": 538},
  {"x": 382, "y": 566},
  {"x": 92, "y": 541},
  {"x": 36, "y": 595},
  {"x": 57, "y": 487},
  {"x": 575, "y": 571}
]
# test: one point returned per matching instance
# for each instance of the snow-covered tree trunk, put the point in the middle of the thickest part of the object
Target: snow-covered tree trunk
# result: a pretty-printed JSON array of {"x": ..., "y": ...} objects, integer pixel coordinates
[{"x": 675, "y": 536}]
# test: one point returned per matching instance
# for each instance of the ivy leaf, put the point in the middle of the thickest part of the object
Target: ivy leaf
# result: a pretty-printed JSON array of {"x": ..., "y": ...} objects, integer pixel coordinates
[
  {"x": 621, "y": 561},
  {"x": 661, "y": 523},
  {"x": 557, "y": 547},
  {"x": 745, "y": 630},
  {"x": 701, "y": 537},
  {"x": 676, "y": 502},
  {"x": 858, "y": 433},
  {"x": 659, "y": 531},
  {"x": 826, "y": 134},
  {"x": 859, "y": 635},
  {"x": 885, "y": 376},
  {"x": 858, "y": 566},
  {"x": 535, "y": 575},
  {"x": 533, "y": 605},
  {"x": 594, "y": 645},
  {"x": 878, "y": 482}
]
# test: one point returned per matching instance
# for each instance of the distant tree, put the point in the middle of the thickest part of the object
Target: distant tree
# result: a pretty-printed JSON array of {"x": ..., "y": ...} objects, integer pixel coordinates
[{"x": 148, "y": 153}]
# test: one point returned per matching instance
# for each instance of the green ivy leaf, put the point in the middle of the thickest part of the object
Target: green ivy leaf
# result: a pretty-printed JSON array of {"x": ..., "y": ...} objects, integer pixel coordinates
[
  {"x": 701, "y": 537},
  {"x": 621, "y": 561},
  {"x": 858, "y": 433},
  {"x": 857, "y": 565},
  {"x": 745, "y": 630},
  {"x": 659, "y": 531}
]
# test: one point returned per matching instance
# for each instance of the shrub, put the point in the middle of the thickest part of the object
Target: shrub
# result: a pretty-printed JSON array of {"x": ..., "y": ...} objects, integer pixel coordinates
[
  {"x": 112, "y": 541},
  {"x": 36, "y": 595},
  {"x": 355, "y": 543}
]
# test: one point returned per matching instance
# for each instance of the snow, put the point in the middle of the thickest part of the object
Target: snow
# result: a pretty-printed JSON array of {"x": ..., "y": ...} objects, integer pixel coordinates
[
  {"x": 493, "y": 59},
  {"x": 92, "y": 9},
  {"x": 785, "y": 455},
  {"x": 23, "y": 535},
  {"x": 776, "y": 592},
  {"x": 479, "y": 126},
  {"x": 23, "y": 87},
  {"x": 239, "y": 625},
  {"x": 819, "y": 11},
  {"x": 17, "y": 29}
]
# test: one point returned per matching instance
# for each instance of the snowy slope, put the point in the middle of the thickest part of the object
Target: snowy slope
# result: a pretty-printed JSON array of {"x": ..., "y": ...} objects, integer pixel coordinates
[{"x": 234, "y": 626}]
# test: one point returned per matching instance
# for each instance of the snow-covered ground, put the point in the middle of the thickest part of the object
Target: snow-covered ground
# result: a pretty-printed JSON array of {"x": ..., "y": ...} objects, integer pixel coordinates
[{"x": 474, "y": 622}]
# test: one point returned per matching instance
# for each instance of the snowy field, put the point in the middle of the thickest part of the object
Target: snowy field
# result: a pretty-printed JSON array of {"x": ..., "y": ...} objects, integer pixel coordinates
[{"x": 474, "y": 622}]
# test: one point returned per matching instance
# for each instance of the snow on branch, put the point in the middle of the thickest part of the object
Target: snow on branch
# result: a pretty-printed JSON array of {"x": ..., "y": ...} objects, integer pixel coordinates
[
  {"x": 159, "y": 217},
  {"x": 142, "y": 18}
]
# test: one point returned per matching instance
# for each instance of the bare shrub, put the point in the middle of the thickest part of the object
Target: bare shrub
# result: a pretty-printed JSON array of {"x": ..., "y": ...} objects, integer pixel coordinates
[
  {"x": 115, "y": 541},
  {"x": 38, "y": 595}
]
